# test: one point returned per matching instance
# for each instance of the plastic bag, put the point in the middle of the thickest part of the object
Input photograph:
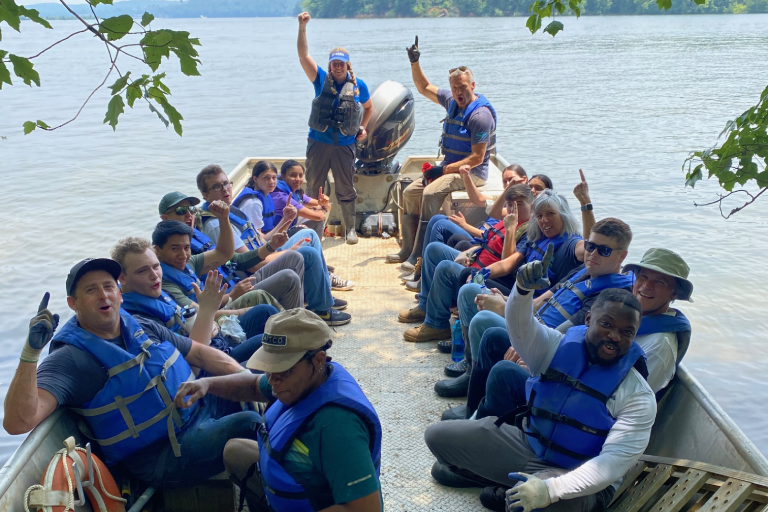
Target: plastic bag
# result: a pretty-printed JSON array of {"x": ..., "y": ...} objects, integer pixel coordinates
[{"x": 231, "y": 329}]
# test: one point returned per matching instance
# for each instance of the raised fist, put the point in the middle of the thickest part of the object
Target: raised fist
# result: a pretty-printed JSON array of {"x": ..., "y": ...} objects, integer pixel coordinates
[{"x": 303, "y": 19}]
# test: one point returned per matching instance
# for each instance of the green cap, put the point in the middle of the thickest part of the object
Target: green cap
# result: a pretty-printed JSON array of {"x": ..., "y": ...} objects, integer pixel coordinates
[
  {"x": 173, "y": 198},
  {"x": 669, "y": 263}
]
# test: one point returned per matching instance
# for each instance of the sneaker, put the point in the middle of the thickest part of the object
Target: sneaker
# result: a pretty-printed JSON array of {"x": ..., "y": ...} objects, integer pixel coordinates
[
  {"x": 413, "y": 286},
  {"x": 445, "y": 346},
  {"x": 454, "y": 369},
  {"x": 340, "y": 285},
  {"x": 334, "y": 318},
  {"x": 339, "y": 304},
  {"x": 494, "y": 498}
]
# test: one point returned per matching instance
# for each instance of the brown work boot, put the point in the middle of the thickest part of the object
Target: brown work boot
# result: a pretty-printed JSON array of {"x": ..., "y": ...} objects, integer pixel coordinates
[
  {"x": 424, "y": 332},
  {"x": 409, "y": 316}
]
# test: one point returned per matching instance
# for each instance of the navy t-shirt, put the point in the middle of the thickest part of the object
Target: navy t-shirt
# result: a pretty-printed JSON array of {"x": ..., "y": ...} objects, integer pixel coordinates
[
  {"x": 75, "y": 377},
  {"x": 326, "y": 137}
]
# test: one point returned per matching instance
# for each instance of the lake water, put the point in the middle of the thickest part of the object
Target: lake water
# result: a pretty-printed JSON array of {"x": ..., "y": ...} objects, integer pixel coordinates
[{"x": 624, "y": 98}]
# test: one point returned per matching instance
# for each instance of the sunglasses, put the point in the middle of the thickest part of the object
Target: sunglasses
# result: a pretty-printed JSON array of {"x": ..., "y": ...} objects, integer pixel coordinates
[
  {"x": 460, "y": 68},
  {"x": 182, "y": 210},
  {"x": 219, "y": 186},
  {"x": 602, "y": 250}
]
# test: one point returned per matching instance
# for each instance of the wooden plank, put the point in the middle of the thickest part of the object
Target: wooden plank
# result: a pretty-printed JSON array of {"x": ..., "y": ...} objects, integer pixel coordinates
[
  {"x": 635, "y": 498},
  {"x": 730, "y": 496},
  {"x": 629, "y": 479},
  {"x": 682, "y": 491},
  {"x": 762, "y": 481}
]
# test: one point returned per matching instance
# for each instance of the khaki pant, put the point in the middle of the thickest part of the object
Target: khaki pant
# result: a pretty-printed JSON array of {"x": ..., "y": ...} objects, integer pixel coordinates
[{"x": 427, "y": 201}]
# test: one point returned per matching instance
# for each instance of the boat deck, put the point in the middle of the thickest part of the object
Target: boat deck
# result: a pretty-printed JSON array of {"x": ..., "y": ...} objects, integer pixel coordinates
[{"x": 398, "y": 377}]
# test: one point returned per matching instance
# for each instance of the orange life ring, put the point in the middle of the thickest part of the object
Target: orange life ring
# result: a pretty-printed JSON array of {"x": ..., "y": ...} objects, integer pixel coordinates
[{"x": 56, "y": 492}]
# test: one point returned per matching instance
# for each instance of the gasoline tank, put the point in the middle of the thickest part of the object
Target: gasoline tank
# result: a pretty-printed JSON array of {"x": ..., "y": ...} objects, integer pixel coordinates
[{"x": 389, "y": 129}]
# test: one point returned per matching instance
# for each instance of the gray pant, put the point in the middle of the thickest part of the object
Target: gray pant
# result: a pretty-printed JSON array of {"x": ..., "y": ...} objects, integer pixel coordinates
[
  {"x": 493, "y": 452},
  {"x": 340, "y": 160},
  {"x": 282, "y": 278},
  {"x": 427, "y": 200}
]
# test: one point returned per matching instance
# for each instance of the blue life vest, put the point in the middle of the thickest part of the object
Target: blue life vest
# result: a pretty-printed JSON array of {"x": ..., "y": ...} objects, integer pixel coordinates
[
  {"x": 678, "y": 324},
  {"x": 200, "y": 243},
  {"x": 456, "y": 141},
  {"x": 267, "y": 206},
  {"x": 568, "y": 419},
  {"x": 569, "y": 299},
  {"x": 282, "y": 423},
  {"x": 163, "y": 308},
  {"x": 537, "y": 249},
  {"x": 240, "y": 220},
  {"x": 296, "y": 196},
  {"x": 183, "y": 279},
  {"x": 135, "y": 407}
]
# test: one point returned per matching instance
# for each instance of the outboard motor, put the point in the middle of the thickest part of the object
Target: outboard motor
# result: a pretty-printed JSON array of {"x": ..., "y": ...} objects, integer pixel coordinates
[{"x": 389, "y": 129}]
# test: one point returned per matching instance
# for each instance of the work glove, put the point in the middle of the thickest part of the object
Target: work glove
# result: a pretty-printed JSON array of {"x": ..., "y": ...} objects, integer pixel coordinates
[
  {"x": 531, "y": 494},
  {"x": 413, "y": 51},
  {"x": 41, "y": 329},
  {"x": 534, "y": 275}
]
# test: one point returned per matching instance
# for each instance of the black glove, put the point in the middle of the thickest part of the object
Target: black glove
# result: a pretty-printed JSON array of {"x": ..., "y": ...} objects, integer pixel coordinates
[
  {"x": 413, "y": 51},
  {"x": 41, "y": 329}
]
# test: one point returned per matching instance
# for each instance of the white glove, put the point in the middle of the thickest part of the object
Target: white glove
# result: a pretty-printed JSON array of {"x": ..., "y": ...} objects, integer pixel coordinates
[
  {"x": 530, "y": 494},
  {"x": 533, "y": 275}
]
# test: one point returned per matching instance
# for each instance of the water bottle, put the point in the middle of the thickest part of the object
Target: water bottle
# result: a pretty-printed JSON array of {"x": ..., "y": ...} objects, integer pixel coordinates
[
  {"x": 189, "y": 313},
  {"x": 457, "y": 343}
]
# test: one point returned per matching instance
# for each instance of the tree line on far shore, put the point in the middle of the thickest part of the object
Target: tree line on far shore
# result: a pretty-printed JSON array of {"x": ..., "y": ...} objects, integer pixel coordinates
[{"x": 440, "y": 8}]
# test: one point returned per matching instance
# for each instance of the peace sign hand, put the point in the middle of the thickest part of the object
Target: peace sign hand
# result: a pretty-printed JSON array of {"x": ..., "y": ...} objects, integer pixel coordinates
[
  {"x": 510, "y": 221},
  {"x": 413, "y": 51},
  {"x": 534, "y": 275},
  {"x": 581, "y": 191}
]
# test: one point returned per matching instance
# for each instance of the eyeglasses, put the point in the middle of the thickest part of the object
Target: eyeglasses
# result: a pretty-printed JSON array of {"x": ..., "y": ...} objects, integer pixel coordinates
[
  {"x": 602, "y": 250},
  {"x": 182, "y": 210},
  {"x": 460, "y": 68},
  {"x": 216, "y": 187}
]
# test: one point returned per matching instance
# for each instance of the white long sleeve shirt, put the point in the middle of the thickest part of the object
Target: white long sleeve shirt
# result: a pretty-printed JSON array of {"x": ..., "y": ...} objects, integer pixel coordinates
[{"x": 633, "y": 405}]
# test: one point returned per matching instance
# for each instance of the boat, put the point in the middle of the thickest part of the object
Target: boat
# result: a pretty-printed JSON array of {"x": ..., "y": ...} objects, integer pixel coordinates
[{"x": 694, "y": 443}]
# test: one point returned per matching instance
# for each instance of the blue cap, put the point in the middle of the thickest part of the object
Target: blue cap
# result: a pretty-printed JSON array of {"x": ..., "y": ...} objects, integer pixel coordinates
[{"x": 338, "y": 55}]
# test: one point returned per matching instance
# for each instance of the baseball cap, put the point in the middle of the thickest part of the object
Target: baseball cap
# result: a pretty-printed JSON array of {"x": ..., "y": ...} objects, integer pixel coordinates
[
  {"x": 289, "y": 335},
  {"x": 338, "y": 55},
  {"x": 89, "y": 265},
  {"x": 172, "y": 198},
  {"x": 669, "y": 263}
]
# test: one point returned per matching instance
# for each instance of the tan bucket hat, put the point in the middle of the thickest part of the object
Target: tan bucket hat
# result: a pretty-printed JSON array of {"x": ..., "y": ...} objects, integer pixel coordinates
[
  {"x": 669, "y": 263},
  {"x": 287, "y": 337}
]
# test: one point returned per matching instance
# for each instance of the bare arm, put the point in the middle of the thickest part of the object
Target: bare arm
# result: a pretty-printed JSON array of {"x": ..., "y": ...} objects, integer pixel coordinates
[
  {"x": 367, "y": 112},
  {"x": 507, "y": 265},
  {"x": 581, "y": 191},
  {"x": 477, "y": 197},
  {"x": 307, "y": 63},
  {"x": 211, "y": 360},
  {"x": 474, "y": 159},
  {"x": 209, "y": 300},
  {"x": 240, "y": 387},
  {"x": 370, "y": 503},
  {"x": 26, "y": 405},
  {"x": 497, "y": 211},
  {"x": 425, "y": 88},
  {"x": 225, "y": 245}
]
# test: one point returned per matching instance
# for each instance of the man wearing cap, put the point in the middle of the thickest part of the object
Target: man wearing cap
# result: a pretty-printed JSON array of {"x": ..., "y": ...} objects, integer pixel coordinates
[
  {"x": 340, "y": 112},
  {"x": 121, "y": 379},
  {"x": 320, "y": 443},
  {"x": 469, "y": 138}
]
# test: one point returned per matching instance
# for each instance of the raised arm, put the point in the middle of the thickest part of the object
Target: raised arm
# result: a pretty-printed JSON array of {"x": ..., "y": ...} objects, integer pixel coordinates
[
  {"x": 581, "y": 191},
  {"x": 225, "y": 245},
  {"x": 474, "y": 159},
  {"x": 425, "y": 88},
  {"x": 26, "y": 405},
  {"x": 307, "y": 63},
  {"x": 477, "y": 197},
  {"x": 497, "y": 210}
]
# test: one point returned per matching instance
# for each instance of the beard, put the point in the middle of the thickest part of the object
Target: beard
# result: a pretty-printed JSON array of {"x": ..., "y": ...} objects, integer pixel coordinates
[{"x": 595, "y": 359}]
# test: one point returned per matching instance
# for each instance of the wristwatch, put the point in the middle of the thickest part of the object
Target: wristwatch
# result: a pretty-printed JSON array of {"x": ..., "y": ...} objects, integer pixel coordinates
[
  {"x": 587, "y": 207},
  {"x": 269, "y": 247}
]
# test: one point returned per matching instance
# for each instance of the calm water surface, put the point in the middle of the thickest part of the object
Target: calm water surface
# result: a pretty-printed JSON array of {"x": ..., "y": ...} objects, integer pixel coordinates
[{"x": 624, "y": 98}]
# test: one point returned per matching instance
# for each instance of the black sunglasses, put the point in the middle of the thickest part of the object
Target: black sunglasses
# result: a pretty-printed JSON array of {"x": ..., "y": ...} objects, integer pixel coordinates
[
  {"x": 602, "y": 250},
  {"x": 182, "y": 210}
]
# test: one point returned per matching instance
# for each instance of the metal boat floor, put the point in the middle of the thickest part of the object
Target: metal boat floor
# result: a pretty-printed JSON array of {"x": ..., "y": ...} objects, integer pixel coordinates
[{"x": 397, "y": 376}]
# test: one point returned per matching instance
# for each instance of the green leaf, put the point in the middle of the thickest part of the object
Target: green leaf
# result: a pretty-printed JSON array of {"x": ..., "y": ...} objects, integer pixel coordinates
[
  {"x": 156, "y": 81},
  {"x": 694, "y": 176},
  {"x": 97, "y": 2},
  {"x": 533, "y": 23},
  {"x": 29, "y": 127},
  {"x": 560, "y": 7},
  {"x": 120, "y": 83},
  {"x": 34, "y": 15},
  {"x": 163, "y": 119},
  {"x": 173, "y": 115},
  {"x": 133, "y": 93},
  {"x": 575, "y": 8},
  {"x": 553, "y": 28},
  {"x": 664, "y": 4},
  {"x": 42, "y": 124},
  {"x": 22, "y": 67},
  {"x": 5, "y": 73},
  {"x": 116, "y": 27},
  {"x": 114, "y": 109},
  {"x": 188, "y": 64},
  {"x": 146, "y": 19},
  {"x": 9, "y": 13}
]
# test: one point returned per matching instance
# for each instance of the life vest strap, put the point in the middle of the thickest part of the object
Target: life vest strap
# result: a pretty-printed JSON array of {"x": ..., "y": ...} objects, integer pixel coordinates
[
  {"x": 552, "y": 301},
  {"x": 138, "y": 360},
  {"x": 126, "y": 414},
  {"x": 575, "y": 291},
  {"x": 551, "y": 445},
  {"x": 552, "y": 375},
  {"x": 456, "y": 137},
  {"x": 565, "y": 420},
  {"x": 288, "y": 495},
  {"x": 460, "y": 153}
]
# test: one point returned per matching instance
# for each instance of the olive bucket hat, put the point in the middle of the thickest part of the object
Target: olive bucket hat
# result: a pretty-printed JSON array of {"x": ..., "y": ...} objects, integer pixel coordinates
[{"x": 669, "y": 263}]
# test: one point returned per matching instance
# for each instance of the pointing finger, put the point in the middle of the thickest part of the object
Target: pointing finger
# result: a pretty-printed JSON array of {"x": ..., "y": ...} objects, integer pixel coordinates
[
  {"x": 44, "y": 303},
  {"x": 417, "y": 42},
  {"x": 548, "y": 257},
  {"x": 583, "y": 179}
]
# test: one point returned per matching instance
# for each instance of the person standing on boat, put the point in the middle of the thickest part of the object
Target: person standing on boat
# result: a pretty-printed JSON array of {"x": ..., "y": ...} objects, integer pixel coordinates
[
  {"x": 589, "y": 415},
  {"x": 340, "y": 112},
  {"x": 469, "y": 138},
  {"x": 101, "y": 355},
  {"x": 319, "y": 447}
]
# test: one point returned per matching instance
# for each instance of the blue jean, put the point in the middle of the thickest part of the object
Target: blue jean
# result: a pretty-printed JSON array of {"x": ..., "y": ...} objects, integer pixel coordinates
[
  {"x": 440, "y": 229},
  {"x": 443, "y": 294},
  {"x": 255, "y": 318},
  {"x": 493, "y": 345},
  {"x": 202, "y": 441},
  {"x": 317, "y": 283},
  {"x": 505, "y": 389},
  {"x": 433, "y": 254}
]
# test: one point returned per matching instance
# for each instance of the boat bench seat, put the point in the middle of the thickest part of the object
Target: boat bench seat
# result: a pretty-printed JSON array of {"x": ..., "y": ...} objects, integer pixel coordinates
[{"x": 670, "y": 485}]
